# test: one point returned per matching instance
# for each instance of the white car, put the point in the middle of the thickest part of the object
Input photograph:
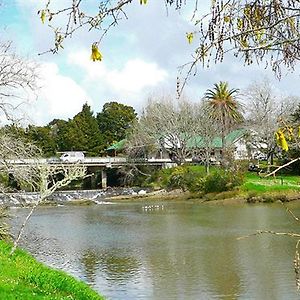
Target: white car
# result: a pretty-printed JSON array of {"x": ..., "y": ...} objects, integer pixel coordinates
[{"x": 72, "y": 157}]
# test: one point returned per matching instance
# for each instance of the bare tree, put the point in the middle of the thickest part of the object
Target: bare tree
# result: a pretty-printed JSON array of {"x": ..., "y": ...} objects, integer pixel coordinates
[
  {"x": 172, "y": 126},
  {"x": 20, "y": 159},
  {"x": 18, "y": 80},
  {"x": 266, "y": 107},
  {"x": 24, "y": 163},
  {"x": 44, "y": 179}
]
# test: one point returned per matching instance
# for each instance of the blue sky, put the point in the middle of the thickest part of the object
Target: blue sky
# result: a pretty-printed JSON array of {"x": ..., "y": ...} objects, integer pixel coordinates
[{"x": 141, "y": 58}]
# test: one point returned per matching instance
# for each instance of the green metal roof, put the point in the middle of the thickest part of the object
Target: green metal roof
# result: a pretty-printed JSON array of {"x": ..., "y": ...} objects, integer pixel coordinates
[
  {"x": 199, "y": 141},
  {"x": 196, "y": 142},
  {"x": 118, "y": 146}
]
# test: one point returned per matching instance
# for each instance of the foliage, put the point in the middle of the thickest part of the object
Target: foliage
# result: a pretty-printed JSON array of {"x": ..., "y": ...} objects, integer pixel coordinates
[
  {"x": 221, "y": 181},
  {"x": 22, "y": 277},
  {"x": 42, "y": 137},
  {"x": 224, "y": 109},
  {"x": 223, "y": 106},
  {"x": 82, "y": 133},
  {"x": 114, "y": 121},
  {"x": 58, "y": 129},
  {"x": 133, "y": 175},
  {"x": 195, "y": 179},
  {"x": 178, "y": 178}
]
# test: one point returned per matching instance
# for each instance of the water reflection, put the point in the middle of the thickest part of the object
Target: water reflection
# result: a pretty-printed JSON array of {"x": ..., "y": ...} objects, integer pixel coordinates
[
  {"x": 115, "y": 265},
  {"x": 185, "y": 251}
]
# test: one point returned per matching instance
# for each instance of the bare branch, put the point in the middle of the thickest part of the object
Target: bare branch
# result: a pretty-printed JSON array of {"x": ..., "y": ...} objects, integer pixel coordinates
[
  {"x": 45, "y": 174},
  {"x": 258, "y": 232}
]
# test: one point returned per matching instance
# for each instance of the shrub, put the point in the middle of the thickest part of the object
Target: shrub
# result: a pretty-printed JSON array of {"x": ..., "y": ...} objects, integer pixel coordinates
[
  {"x": 185, "y": 178},
  {"x": 178, "y": 178},
  {"x": 221, "y": 181}
]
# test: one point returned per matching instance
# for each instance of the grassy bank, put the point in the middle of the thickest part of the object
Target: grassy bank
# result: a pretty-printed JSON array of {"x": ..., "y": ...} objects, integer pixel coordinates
[
  {"x": 219, "y": 185},
  {"x": 22, "y": 277},
  {"x": 253, "y": 182}
]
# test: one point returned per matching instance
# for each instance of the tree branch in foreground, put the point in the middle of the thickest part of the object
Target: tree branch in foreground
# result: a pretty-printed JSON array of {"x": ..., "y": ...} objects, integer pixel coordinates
[{"x": 45, "y": 172}]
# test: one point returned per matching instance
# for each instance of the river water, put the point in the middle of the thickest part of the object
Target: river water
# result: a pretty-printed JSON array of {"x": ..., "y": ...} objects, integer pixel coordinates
[{"x": 170, "y": 250}]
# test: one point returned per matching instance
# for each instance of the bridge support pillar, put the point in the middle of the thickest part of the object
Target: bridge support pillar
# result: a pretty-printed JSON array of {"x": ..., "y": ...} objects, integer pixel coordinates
[{"x": 103, "y": 178}]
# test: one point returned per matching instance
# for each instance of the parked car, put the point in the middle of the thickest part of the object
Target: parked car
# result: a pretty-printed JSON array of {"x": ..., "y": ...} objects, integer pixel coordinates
[
  {"x": 72, "y": 157},
  {"x": 197, "y": 160},
  {"x": 253, "y": 168},
  {"x": 260, "y": 156}
]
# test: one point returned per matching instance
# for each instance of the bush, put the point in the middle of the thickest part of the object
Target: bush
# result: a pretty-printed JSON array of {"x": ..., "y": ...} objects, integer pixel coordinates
[
  {"x": 222, "y": 181},
  {"x": 195, "y": 180},
  {"x": 178, "y": 179},
  {"x": 185, "y": 178}
]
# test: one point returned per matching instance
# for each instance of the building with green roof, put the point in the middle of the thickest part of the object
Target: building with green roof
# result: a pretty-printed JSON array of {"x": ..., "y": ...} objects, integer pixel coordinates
[{"x": 233, "y": 140}]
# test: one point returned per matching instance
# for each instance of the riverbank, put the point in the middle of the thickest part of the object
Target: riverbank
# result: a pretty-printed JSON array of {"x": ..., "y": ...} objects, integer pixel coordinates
[
  {"x": 229, "y": 197},
  {"x": 90, "y": 197},
  {"x": 22, "y": 277}
]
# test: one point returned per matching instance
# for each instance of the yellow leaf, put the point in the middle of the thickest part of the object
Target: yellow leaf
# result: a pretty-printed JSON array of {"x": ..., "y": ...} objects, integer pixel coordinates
[
  {"x": 43, "y": 16},
  {"x": 96, "y": 55},
  {"x": 244, "y": 43},
  {"x": 282, "y": 141},
  {"x": 143, "y": 2},
  {"x": 189, "y": 37},
  {"x": 227, "y": 19},
  {"x": 240, "y": 24}
]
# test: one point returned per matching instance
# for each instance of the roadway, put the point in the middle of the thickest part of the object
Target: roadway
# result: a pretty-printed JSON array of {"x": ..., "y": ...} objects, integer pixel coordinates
[{"x": 107, "y": 162}]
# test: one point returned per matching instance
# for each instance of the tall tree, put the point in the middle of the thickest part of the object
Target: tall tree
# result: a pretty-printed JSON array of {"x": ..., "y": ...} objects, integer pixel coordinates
[
  {"x": 114, "y": 121},
  {"x": 169, "y": 125},
  {"x": 42, "y": 137},
  {"x": 18, "y": 76},
  {"x": 265, "y": 108},
  {"x": 58, "y": 130},
  {"x": 224, "y": 108},
  {"x": 82, "y": 133}
]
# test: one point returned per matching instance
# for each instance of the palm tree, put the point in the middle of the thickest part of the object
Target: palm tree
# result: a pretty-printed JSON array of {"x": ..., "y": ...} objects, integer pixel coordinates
[{"x": 224, "y": 108}]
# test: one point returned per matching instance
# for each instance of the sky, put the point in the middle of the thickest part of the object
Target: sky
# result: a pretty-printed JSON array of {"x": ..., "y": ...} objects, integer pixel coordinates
[{"x": 141, "y": 57}]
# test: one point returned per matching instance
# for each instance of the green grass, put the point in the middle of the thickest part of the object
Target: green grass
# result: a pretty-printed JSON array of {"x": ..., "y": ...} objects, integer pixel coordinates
[
  {"x": 22, "y": 277},
  {"x": 253, "y": 183},
  {"x": 269, "y": 184}
]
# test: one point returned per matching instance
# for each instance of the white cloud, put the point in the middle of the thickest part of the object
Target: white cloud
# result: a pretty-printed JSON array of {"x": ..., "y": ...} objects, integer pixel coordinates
[
  {"x": 59, "y": 95},
  {"x": 136, "y": 75},
  {"x": 133, "y": 77}
]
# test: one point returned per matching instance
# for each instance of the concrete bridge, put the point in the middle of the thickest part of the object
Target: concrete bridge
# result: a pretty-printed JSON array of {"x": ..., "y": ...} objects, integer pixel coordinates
[
  {"x": 108, "y": 162},
  {"x": 102, "y": 163}
]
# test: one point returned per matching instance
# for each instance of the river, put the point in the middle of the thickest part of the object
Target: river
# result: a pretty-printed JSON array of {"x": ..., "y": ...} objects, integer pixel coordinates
[{"x": 168, "y": 250}]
